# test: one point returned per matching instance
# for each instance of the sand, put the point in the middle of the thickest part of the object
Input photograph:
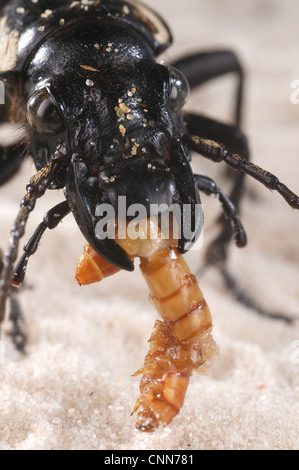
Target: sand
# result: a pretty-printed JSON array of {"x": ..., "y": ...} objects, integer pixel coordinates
[{"x": 74, "y": 387}]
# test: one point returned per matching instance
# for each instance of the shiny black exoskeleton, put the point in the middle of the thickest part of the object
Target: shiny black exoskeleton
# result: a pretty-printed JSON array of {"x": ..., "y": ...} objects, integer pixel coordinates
[{"x": 101, "y": 118}]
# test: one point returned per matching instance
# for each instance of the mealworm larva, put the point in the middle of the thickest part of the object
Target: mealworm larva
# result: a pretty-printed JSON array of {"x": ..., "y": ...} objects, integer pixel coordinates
[{"x": 180, "y": 343}]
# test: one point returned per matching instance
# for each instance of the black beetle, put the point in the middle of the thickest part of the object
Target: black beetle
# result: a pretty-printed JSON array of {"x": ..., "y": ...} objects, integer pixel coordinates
[{"x": 102, "y": 118}]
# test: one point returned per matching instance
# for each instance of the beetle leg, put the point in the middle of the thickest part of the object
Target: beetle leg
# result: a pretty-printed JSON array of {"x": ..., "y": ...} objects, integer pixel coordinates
[
  {"x": 218, "y": 152},
  {"x": 198, "y": 69},
  {"x": 15, "y": 316},
  {"x": 51, "y": 220},
  {"x": 234, "y": 139},
  {"x": 35, "y": 189},
  {"x": 17, "y": 320},
  {"x": 201, "y": 67},
  {"x": 208, "y": 186},
  {"x": 246, "y": 300}
]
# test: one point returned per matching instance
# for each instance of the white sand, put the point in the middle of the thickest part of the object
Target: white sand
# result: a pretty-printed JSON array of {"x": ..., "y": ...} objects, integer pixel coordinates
[{"x": 73, "y": 389}]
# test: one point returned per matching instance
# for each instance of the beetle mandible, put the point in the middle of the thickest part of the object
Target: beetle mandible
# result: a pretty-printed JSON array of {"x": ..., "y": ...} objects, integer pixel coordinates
[{"x": 101, "y": 118}]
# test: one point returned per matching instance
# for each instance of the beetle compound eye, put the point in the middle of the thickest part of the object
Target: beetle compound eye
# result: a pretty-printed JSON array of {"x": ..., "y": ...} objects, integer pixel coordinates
[
  {"x": 179, "y": 89},
  {"x": 43, "y": 113}
]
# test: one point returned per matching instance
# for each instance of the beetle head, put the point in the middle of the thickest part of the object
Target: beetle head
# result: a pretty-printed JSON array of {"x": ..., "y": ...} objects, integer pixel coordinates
[{"x": 116, "y": 113}]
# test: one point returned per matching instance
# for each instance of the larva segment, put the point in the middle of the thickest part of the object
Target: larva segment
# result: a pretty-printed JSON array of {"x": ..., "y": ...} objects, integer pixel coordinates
[
  {"x": 178, "y": 345},
  {"x": 181, "y": 342},
  {"x": 166, "y": 373},
  {"x": 91, "y": 267}
]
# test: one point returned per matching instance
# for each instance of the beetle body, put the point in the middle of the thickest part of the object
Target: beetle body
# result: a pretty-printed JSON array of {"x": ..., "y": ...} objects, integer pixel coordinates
[{"x": 107, "y": 105}]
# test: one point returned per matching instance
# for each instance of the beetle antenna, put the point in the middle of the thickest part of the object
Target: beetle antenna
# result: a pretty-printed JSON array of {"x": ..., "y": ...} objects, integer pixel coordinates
[{"x": 217, "y": 152}]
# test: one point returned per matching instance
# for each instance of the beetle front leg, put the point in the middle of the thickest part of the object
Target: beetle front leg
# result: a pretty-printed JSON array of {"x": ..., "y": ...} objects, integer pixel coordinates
[
  {"x": 37, "y": 186},
  {"x": 50, "y": 221},
  {"x": 218, "y": 152},
  {"x": 234, "y": 139},
  {"x": 208, "y": 186}
]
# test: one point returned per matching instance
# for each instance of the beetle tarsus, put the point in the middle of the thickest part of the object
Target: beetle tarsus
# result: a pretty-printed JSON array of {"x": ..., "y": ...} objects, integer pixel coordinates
[
  {"x": 243, "y": 297},
  {"x": 18, "y": 324}
]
